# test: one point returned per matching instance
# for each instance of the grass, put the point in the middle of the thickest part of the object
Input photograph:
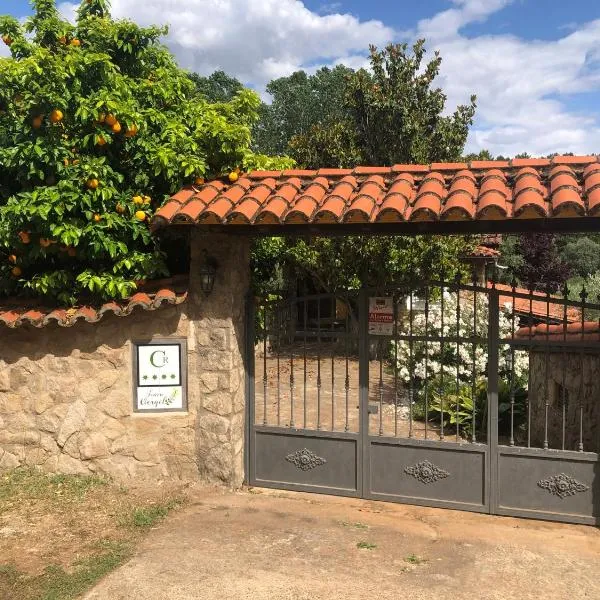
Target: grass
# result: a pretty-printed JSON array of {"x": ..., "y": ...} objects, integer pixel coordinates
[
  {"x": 145, "y": 517},
  {"x": 366, "y": 546},
  {"x": 75, "y": 529},
  {"x": 414, "y": 559}
]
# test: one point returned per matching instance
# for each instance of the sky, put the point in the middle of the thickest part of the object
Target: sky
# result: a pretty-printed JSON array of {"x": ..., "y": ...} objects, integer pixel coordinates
[{"x": 533, "y": 64}]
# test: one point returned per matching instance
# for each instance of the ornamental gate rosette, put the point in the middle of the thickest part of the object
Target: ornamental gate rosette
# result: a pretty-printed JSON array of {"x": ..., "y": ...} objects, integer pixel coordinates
[
  {"x": 305, "y": 459},
  {"x": 426, "y": 472},
  {"x": 562, "y": 485}
]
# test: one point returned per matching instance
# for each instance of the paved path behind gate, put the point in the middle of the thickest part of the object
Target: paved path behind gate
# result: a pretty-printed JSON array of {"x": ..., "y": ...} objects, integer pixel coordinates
[{"x": 269, "y": 545}]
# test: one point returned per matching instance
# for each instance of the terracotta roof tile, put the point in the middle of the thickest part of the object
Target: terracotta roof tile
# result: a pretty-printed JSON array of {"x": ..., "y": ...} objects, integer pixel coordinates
[
  {"x": 588, "y": 331},
  {"x": 40, "y": 317},
  {"x": 483, "y": 190}
]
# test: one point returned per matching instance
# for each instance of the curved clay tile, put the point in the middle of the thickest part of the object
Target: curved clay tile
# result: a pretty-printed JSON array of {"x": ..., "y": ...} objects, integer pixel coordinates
[
  {"x": 343, "y": 189},
  {"x": 191, "y": 211},
  {"x": 465, "y": 173},
  {"x": 448, "y": 166},
  {"x": 237, "y": 191},
  {"x": 372, "y": 171},
  {"x": 360, "y": 209},
  {"x": 392, "y": 209},
  {"x": 401, "y": 186},
  {"x": 183, "y": 195},
  {"x": 245, "y": 211},
  {"x": 592, "y": 180},
  {"x": 528, "y": 182},
  {"x": 307, "y": 173},
  {"x": 530, "y": 162},
  {"x": 332, "y": 210},
  {"x": 492, "y": 205},
  {"x": 426, "y": 208},
  {"x": 493, "y": 184},
  {"x": 168, "y": 211},
  {"x": 463, "y": 184},
  {"x": 264, "y": 174},
  {"x": 458, "y": 206},
  {"x": 558, "y": 169},
  {"x": 209, "y": 191},
  {"x": 593, "y": 168},
  {"x": 594, "y": 202},
  {"x": 566, "y": 202},
  {"x": 432, "y": 187},
  {"x": 526, "y": 171},
  {"x": 273, "y": 211},
  {"x": 574, "y": 160},
  {"x": 302, "y": 211},
  {"x": 433, "y": 175},
  {"x": 530, "y": 204},
  {"x": 563, "y": 180},
  {"x": 488, "y": 164},
  {"x": 334, "y": 172},
  {"x": 493, "y": 173}
]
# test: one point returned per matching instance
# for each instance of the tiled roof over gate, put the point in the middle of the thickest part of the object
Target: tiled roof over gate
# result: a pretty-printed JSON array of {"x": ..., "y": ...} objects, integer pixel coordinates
[{"x": 564, "y": 186}]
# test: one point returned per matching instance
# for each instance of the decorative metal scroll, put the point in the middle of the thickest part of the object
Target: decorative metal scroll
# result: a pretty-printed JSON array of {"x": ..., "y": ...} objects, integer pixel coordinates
[
  {"x": 562, "y": 485},
  {"x": 426, "y": 472},
  {"x": 305, "y": 459}
]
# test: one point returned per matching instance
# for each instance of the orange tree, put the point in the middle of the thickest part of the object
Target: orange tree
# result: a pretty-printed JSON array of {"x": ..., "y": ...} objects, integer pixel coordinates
[{"x": 98, "y": 125}]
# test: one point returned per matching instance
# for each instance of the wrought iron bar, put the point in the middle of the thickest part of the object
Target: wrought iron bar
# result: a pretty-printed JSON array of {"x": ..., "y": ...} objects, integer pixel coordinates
[
  {"x": 319, "y": 363},
  {"x": 426, "y": 359},
  {"x": 529, "y": 335},
  {"x": 411, "y": 366},
  {"x": 265, "y": 335},
  {"x": 457, "y": 282},
  {"x": 583, "y": 296},
  {"x": 278, "y": 325},
  {"x": 347, "y": 380},
  {"x": 380, "y": 352},
  {"x": 473, "y": 373},
  {"x": 442, "y": 347},
  {"x": 333, "y": 344},
  {"x": 547, "y": 372},
  {"x": 395, "y": 366},
  {"x": 512, "y": 369},
  {"x": 305, "y": 327},
  {"x": 564, "y": 368}
]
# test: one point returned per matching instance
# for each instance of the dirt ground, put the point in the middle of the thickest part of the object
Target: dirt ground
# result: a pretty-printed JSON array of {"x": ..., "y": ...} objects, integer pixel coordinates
[{"x": 271, "y": 545}]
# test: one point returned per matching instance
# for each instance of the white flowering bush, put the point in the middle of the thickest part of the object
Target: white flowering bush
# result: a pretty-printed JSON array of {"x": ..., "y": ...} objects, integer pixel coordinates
[{"x": 437, "y": 366}]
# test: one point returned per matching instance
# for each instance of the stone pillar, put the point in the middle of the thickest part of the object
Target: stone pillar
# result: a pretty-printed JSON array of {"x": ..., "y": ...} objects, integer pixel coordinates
[{"x": 219, "y": 375}]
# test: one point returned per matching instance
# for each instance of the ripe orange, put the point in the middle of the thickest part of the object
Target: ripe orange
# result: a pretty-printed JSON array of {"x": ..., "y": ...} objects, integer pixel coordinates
[
  {"x": 45, "y": 242},
  {"x": 12, "y": 259},
  {"x": 16, "y": 271},
  {"x": 140, "y": 215},
  {"x": 72, "y": 251},
  {"x": 97, "y": 218},
  {"x": 131, "y": 131},
  {"x": 56, "y": 116},
  {"x": 138, "y": 200},
  {"x": 66, "y": 162},
  {"x": 101, "y": 117},
  {"x": 120, "y": 208},
  {"x": 101, "y": 141},
  {"x": 75, "y": 42},
  {"x": 37, "y": 122},
  {"x": 92, "y": 184},
  {"x": 116, "y": 127},
  {"x": 7, "y": 40},
  {"x": 199, "y": 180},
  {"x": 233, "y": 176},
  {"x": 147, "y": 199},
  {"x": 62, "y": 39},
  {"x": 24, "y": 237},
  {"x": 110, "y": 120}
]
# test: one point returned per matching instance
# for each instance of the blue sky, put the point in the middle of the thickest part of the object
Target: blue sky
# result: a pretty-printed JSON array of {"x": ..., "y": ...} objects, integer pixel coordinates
[{"x": 534, "y": 64}]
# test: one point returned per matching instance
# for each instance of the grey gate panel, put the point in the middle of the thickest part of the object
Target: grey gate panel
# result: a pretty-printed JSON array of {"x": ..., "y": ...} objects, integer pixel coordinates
[
  {"x": 304, "y": 396},
  {"x": 418, "y": 450},
  {"x": 546, "y": 458}
]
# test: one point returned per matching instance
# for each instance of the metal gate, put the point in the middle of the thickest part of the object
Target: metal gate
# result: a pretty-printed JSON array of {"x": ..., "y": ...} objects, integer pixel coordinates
[{"x": 442, "y": 394}]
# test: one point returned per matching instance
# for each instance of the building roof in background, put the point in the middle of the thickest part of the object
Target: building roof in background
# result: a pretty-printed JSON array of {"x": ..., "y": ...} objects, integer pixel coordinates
[
  {"x": 537, "y": 305},
  {"x": 588, "y": 331},
  {"x": 496, "y": 191}
]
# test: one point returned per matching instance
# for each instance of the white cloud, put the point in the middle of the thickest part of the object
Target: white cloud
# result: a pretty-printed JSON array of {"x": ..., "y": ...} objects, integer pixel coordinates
[
  {"x": 523, "y": 86},
  {"x": 255, "y": 40}
]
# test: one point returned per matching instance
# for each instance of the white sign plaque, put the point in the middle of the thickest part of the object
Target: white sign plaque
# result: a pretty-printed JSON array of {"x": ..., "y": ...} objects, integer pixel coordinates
[
  {"x": 159, "y": 376},
  {"x": 381, "y": 316}
]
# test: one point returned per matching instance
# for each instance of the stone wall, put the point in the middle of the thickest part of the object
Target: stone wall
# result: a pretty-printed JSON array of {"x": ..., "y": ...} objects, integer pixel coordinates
[
  {"x": 66, "y": 400},
  {"x": 580, "y": 379}
]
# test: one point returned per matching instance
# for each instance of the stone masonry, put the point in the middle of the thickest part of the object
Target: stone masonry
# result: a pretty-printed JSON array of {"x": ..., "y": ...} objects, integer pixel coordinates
[{"x": 66, "y": 401}]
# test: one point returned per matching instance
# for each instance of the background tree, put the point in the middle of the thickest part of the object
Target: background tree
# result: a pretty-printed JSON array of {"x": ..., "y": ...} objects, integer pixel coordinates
[
  {"x": 341, "y": 118},
  {"x": 217, "y": 87},
  {"x": 98, "y": 125}
]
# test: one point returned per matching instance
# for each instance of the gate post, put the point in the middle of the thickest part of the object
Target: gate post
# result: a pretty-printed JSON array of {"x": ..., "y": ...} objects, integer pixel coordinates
[
  {"x": 249, "y": 361},
  {"x": 492, "y": 424}
]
